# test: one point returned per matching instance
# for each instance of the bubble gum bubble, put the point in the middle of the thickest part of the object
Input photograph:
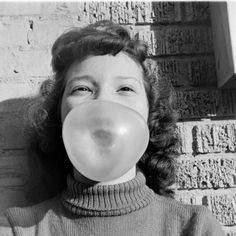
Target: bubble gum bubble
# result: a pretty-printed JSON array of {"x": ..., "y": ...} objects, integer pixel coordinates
[{"x": 104, "y": 139}]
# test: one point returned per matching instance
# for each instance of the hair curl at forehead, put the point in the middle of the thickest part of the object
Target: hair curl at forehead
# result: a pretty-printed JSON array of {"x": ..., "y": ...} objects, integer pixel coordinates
[{"x": 102, "y": 38}]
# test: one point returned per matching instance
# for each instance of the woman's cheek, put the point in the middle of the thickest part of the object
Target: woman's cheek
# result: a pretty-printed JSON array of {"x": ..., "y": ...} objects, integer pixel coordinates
[
  {"x": 140, "y": 106},
  {"x": 70, "y": 102},
  {"x": 66, "y": 107}
]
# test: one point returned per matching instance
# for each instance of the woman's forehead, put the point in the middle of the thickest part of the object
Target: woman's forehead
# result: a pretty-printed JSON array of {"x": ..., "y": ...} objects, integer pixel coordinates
[{"x": 120, "y": 65}]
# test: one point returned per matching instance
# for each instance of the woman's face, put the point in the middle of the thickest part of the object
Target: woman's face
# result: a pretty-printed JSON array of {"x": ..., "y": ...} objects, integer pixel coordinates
[{"x": 111, "y": 78}]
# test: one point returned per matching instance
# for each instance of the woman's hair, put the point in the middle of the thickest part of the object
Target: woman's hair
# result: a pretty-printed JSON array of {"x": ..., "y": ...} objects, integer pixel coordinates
[{"x": 102, "y": 38}]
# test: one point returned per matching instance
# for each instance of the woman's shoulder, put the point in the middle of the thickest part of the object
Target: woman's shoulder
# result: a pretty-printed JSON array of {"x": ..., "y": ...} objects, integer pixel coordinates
[
  {"x": 5, "y": 226},
  {"x": 170, "y": 204},
  {"x": 191, "y": 217},
  {"x": 29, "y": 215}
]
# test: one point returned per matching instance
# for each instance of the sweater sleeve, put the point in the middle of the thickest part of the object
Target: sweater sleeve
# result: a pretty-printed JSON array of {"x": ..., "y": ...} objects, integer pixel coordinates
[{"x": 5, "y": 227}]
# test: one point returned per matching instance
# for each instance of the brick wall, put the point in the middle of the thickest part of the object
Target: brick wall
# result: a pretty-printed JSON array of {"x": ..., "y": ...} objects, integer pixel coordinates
[{"x": 180, "y": 40}]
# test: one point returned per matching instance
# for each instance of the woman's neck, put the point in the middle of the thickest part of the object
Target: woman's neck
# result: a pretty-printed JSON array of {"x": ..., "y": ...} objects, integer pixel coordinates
[{"x": 124, "y": 178}]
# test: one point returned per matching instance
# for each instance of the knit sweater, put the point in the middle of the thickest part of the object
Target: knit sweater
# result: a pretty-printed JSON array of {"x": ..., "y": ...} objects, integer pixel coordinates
[{"x": 129, "y": 208}]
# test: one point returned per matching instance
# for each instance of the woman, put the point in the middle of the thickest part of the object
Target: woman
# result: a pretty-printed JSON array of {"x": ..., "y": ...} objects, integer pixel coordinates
[{"x": 102, "y": 62}]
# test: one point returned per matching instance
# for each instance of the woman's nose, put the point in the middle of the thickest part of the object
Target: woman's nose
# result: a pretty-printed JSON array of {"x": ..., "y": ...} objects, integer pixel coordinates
[{"x": 104, "y": 95}]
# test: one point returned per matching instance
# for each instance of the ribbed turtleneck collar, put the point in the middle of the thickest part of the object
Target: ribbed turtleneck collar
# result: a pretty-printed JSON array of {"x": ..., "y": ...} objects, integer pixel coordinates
[{"x": 106, "y": 200}]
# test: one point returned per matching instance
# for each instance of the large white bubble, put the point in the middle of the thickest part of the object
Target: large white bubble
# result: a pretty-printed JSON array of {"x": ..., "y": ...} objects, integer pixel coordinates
[{"x": 104, "y": 139}]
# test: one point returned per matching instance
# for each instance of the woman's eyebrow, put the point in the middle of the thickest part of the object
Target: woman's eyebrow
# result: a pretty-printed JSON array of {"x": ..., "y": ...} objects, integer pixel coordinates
[
  {"x": 90, "y": 79},
  {"x": 81, "y": 78},
  {"x": 129, "y": 78}
]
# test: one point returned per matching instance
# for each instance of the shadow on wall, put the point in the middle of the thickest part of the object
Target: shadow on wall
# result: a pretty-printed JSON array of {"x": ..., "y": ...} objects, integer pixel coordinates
[
  {"x": 189, "y": 65},
  {"x": 23, "y": 181}
]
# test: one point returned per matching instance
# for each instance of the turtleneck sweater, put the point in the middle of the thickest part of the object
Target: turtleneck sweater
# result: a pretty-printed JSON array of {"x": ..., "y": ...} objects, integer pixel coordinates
[
  {"x": 129, "y": 208},
  {"x": 110, "y": 200}
]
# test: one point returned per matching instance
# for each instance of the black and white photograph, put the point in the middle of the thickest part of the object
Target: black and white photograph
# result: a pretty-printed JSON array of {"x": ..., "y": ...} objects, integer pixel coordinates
[{"x": 117, "y": 118}]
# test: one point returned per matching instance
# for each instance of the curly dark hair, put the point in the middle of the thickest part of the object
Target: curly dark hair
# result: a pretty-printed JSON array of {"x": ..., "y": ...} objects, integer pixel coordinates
[{"x": 102, "y": 38}]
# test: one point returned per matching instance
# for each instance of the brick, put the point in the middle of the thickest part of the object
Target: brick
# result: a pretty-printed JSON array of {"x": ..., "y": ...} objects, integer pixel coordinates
[
  {"x": 13, "y": 32},
  {"x": 129, "y": 12},
  {"x": 120, "y": 12},
  {"x": 165, "y": 40},
  {"x": 8, "y": 63},
  {"x": 18, "y": 87},
  {"x": 79, "y": 10},
  {"x": 202, "y": 71},
  {"x": 206, "y": 136},
  {"x": 34, "y": 32},
  {"x": 99, "y": 11},
  {"x": 166, "y": 12},
  {"x": 184, "y": 72},
  {"x": 206, "y": 103},
  {"x": 149, "y": 37},
  {"x": 34, "y": 63},
  {"x": 92, "y": 12},
  {"x": 14, "y": 8},
  {"x": 124, "y": 12},
  {"x": 230, "y": 231},
  {"x": 37, "y": 8},
  {"x": 174, "y": 70},
  {"x": 215, "y": 171},
  {"x": 25, "y": 63},
  {"x": 46, "y": 31},
  {"x": 218, "y": 137},
  {"x": 83, "y": 12},
  {"x": 223, "y": 207},
  {"x": 144, "y": 12},
  {"x": 196, "y": 11},
  {"x": 61, "y": 8},
  {"x": 184, "y": 129}
]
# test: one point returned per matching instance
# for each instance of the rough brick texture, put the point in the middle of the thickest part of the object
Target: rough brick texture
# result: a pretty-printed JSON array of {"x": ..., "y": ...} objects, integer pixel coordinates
[
  {"x": 196, "y": 11},
  {"x": 19, "y": 87},
  {"x": 28, "y": 63},
  {"x": 201, "y": 172},
  {"x": 175, "y": 40},
  {"x": 223, "y": 207},
  {"x": 130, "y": 12},
  {"x": 187, "y": 71},
  {"x": 207, "y": 136},
  {"x": 216, "y": 137},
  {"x": 230, "y": 231},
  {"x": 179, "y": 36},
  {"x": 205, "y": 103}
]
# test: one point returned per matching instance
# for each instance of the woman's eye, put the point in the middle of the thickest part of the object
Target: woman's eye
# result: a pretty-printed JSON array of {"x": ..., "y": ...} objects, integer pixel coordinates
[
  {"x": 126, "y": 89},
  {"x": 81, "y": 90}
]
